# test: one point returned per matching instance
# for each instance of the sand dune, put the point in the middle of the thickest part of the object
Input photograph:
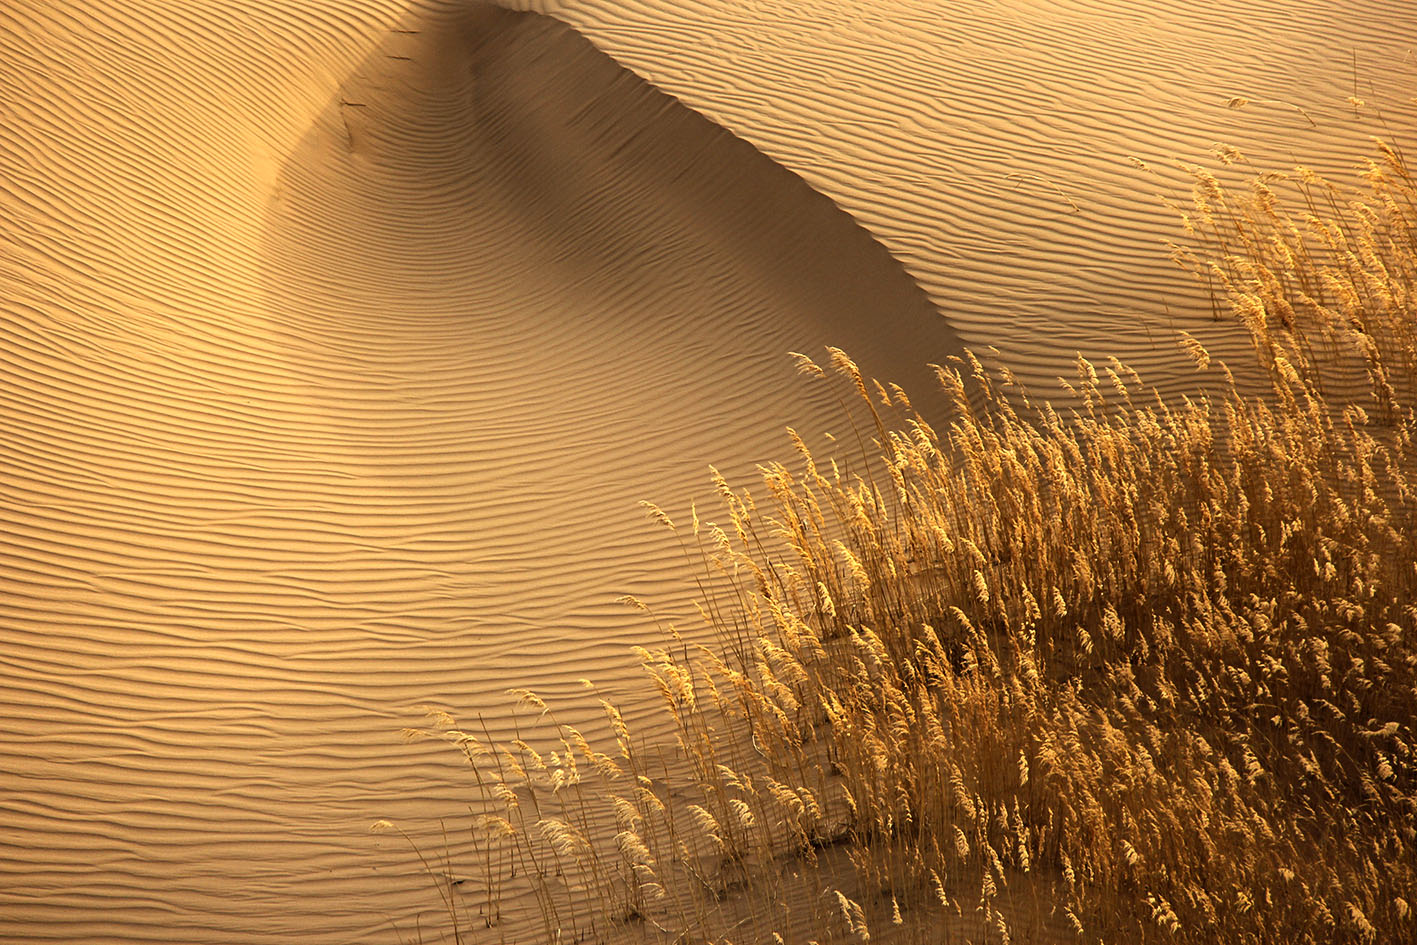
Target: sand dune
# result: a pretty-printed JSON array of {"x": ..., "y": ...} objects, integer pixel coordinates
[{"x": 340, "y": 341}]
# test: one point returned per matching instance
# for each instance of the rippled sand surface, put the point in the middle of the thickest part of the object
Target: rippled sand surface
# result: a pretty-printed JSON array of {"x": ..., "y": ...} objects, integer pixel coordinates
[{"x": 339, "y": 340}]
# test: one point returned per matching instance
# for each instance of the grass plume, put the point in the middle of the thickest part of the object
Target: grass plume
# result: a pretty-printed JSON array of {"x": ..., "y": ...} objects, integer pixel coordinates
[{"x": 1127, "y": 671}]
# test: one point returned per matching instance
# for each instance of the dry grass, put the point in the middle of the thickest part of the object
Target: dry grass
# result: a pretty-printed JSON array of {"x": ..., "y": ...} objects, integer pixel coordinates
[{"x": 1130, "y": 672}]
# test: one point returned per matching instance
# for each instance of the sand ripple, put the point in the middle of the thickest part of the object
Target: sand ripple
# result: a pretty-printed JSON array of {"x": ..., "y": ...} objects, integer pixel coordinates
[{"x": 338, "y": 343}]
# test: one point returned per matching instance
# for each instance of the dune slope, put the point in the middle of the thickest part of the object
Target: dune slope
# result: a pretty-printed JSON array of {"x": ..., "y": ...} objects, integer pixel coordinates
[
  {"x": 339, "y": 340},
  {"x": 304, "y": 430}
]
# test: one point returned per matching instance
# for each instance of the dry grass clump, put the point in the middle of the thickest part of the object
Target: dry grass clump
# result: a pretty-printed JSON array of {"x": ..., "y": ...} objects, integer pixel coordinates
[
  {"x": 1131, "y": 672},
  {"x": 1323, "y": 281}
]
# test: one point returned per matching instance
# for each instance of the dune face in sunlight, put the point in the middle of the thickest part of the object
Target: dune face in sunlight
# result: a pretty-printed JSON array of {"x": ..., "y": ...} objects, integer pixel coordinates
[
  {"x": 339, "y": 340},
  {"x": 313, "y": 419}
]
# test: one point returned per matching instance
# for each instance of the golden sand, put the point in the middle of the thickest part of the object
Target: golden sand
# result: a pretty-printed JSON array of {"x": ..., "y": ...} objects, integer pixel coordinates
[{"x": 341, "y": 339}]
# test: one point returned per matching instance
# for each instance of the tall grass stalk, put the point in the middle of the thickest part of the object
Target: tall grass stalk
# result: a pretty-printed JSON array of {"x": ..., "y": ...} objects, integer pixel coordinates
[{"x": 1132, "y": 671}]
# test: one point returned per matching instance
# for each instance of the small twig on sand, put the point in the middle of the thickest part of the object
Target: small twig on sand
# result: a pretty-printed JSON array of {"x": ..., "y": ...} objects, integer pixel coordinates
[
  {"x": 1016, "y": 177},
  {"x": 1240, "y": 101}
]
